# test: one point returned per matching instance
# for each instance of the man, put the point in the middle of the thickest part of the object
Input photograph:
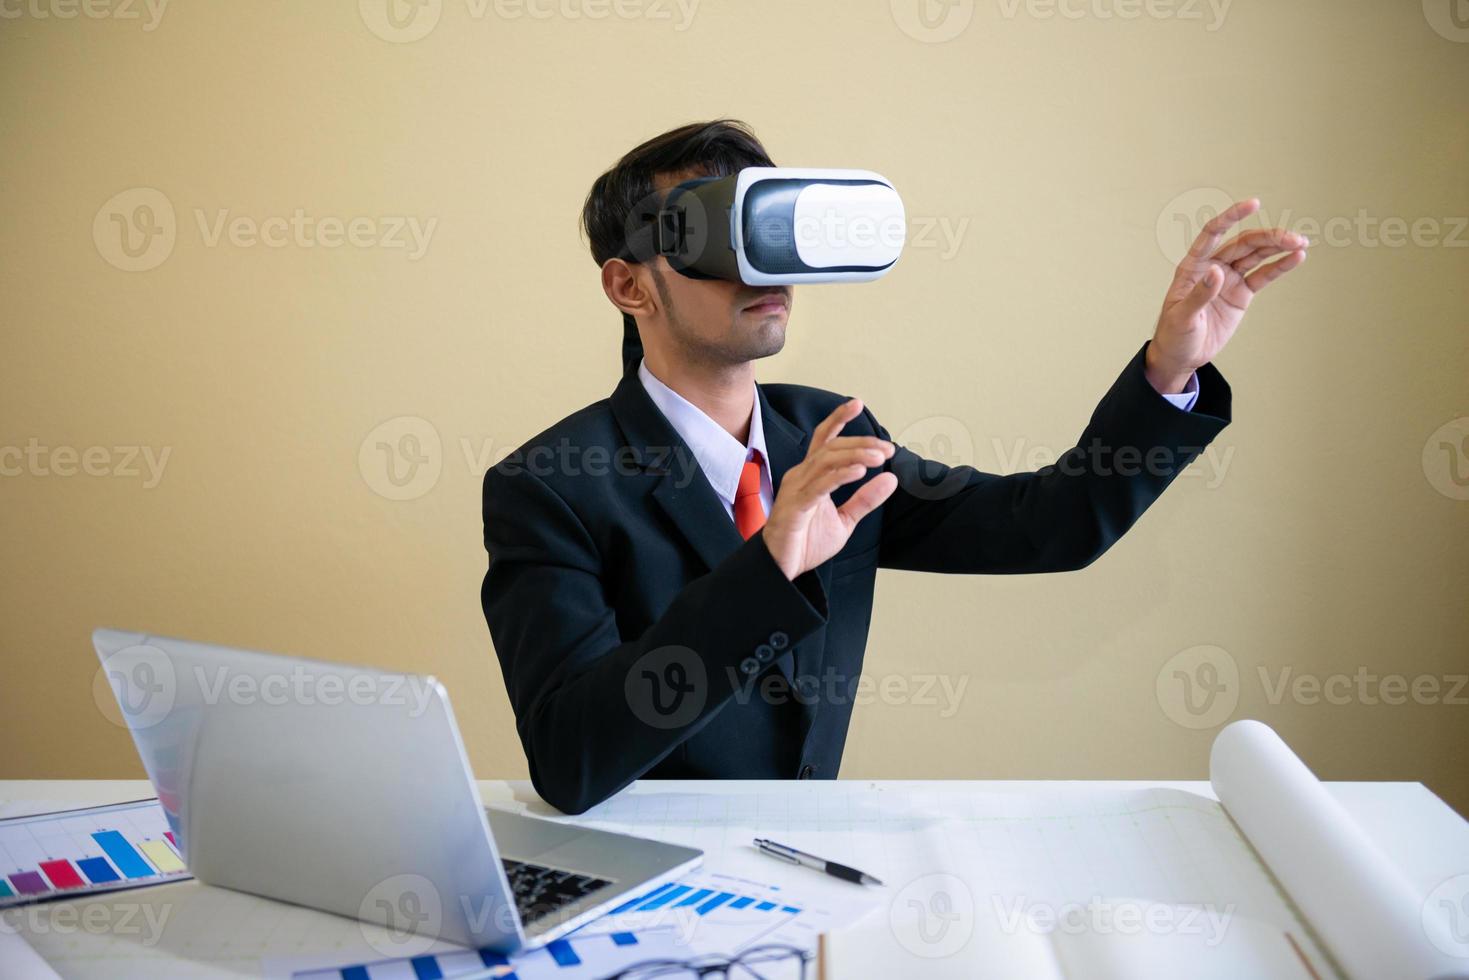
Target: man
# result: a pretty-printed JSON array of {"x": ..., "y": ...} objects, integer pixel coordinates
[{"x": 681, "y": 575}]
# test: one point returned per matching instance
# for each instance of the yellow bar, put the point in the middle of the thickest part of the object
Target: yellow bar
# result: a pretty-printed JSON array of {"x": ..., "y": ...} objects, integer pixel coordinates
[{"x": 162, "y": 856}]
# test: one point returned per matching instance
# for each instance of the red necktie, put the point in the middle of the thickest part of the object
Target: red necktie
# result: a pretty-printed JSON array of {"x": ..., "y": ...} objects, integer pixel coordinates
[{"x": 749, "y": 515}]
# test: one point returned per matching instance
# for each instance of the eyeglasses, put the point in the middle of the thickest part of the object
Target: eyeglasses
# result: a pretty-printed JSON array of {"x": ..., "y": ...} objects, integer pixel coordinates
[{"x": 757, "y": 963}]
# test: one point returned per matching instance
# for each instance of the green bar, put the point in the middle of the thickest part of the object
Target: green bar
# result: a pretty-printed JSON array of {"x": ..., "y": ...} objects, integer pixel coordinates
[{"x": 5, "y": 891}]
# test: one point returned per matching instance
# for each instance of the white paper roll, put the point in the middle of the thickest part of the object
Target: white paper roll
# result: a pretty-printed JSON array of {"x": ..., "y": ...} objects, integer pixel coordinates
[{"x": 1361, "y": 906}]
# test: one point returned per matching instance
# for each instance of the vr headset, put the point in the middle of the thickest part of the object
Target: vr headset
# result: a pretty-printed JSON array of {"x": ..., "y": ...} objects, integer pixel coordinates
[{"x": 774, "y": 226}]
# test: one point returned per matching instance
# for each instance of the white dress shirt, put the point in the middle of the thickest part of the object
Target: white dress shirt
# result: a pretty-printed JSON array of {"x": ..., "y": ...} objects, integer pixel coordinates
[{"x": 720, "y": 455}]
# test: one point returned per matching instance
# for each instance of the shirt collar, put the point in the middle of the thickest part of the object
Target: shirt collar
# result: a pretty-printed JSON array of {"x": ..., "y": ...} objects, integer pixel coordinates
[{"x": 720, "y": 455}]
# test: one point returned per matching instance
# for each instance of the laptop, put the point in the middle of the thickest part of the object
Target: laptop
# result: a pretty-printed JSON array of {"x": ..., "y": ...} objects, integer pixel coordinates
[{"x": 347, "y": 789}]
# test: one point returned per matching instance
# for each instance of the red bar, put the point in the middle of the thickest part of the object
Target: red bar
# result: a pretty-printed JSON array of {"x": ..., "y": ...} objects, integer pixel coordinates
[
  {"x": 62, "y": 874},
  {"x": 169, "y": 835}
]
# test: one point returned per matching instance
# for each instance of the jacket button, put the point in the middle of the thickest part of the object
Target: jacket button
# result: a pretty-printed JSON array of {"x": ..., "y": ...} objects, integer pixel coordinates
[
  {"x": 764, "y": 652},
  {"x": 779, "y": 640},
  {"x": 806, "y": 772},
  {"x": 749, "y": 665}
]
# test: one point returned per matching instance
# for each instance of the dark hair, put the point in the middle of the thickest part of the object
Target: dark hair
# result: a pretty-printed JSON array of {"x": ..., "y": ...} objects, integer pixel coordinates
[{"x": 714, "y": 149}]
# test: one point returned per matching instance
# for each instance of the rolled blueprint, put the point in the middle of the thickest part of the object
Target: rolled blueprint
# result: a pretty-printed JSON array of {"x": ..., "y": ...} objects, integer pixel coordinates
[{"x": 1360, "y": 904}]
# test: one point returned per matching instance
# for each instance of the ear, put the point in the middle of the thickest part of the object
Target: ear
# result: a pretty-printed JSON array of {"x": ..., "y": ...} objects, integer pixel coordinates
[{"x": 629, "y": 288}]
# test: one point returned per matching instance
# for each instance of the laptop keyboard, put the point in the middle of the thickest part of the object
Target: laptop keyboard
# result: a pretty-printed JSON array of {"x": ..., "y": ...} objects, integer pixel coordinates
[{"x": 540, "y": 890}]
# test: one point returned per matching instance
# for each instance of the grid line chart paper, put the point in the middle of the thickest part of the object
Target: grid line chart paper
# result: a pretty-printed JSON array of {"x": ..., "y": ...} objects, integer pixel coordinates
[
  {"x": 1023, "y": 861},
  {"x": 75, "y": 852}
]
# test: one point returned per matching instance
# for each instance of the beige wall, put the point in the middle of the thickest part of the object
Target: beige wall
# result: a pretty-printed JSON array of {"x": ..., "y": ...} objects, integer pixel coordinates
[{"x": 1066, "y": 152}]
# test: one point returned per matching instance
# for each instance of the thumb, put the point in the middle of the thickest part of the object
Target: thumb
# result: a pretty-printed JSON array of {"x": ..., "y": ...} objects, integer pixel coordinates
[
  {"x": 868, "y": 498},
  {"x": 1203, "y": 292}
]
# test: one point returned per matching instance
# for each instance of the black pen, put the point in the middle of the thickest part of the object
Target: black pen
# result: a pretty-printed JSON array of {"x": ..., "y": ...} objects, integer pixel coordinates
[{"x": 812, "y": 861}]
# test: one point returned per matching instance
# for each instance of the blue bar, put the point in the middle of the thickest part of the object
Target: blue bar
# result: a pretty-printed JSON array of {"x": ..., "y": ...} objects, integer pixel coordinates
[
  {"x": 5, "y": 891},
  {"x": 127, "y": 860},
  {"x": 764, "y": 906},
  {"x": 790, "y": 910},
  {"x": 694, "y": 899},
  {"x": 97, "y": 870},
  {"x": 491, "y": 958},
  {"x": 354, "y": 973},
  {"x": 741, "y": 902},
  {"x": 426, "y": 968},
  {"x": 664, "y": 899},
  {"x": 715, "y": 902},
  {"x": 562, "y": 953},
  {"x": 643, "y": 898},
  {"x": 624, "y": 939}
]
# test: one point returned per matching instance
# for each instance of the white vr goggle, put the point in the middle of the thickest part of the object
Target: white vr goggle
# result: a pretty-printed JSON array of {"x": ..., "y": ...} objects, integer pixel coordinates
[{"x": 774, "y": 226}]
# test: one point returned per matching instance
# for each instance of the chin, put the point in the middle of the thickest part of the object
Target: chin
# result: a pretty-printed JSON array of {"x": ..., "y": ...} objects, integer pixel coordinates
[{"x": 769, "y": 340}]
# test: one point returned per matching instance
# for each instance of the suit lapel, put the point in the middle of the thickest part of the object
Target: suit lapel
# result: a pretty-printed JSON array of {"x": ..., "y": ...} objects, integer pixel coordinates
[
  {"x": 684, "y": 492},
  {"x": 682, "y": 489},
  {"x": 785, "y": 443}
]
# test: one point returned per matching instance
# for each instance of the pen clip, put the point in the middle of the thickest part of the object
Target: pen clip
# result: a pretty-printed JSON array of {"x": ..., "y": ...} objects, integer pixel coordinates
[{"x": 775, "y": 850}]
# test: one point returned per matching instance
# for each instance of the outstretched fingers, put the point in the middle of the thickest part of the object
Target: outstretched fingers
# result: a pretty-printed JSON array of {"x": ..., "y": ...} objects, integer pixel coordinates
[
  {"x": 1213, "y": 231},
  {"x": 868, "y": 498},
  {"x": 1267, "y": 274}
]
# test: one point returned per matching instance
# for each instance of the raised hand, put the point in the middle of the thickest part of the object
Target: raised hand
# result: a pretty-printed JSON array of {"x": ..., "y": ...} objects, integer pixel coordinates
[
  {"x": 805, "y": 528},
  {"x": 1211, "y": 290}
]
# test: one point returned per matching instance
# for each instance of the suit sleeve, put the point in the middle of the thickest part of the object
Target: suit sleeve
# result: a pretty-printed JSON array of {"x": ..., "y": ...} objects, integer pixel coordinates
[
  {"x": 1064, "y": 516},
  {"x": 594, "y": 709}
]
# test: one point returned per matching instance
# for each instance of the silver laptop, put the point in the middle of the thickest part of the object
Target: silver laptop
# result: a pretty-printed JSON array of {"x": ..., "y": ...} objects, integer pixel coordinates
[{"x": 347, "y": 789}]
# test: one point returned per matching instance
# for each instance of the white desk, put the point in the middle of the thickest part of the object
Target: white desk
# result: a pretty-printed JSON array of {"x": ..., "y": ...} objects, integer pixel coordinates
[{"x": 903, "y": 832}]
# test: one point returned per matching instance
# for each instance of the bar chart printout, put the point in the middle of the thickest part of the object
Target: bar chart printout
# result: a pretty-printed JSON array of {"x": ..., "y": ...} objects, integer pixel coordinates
[{"x": 74, "y": 852}]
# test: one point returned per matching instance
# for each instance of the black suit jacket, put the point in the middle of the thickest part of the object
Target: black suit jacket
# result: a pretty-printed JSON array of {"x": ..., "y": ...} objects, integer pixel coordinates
[{"x": 640, "y": 636}]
